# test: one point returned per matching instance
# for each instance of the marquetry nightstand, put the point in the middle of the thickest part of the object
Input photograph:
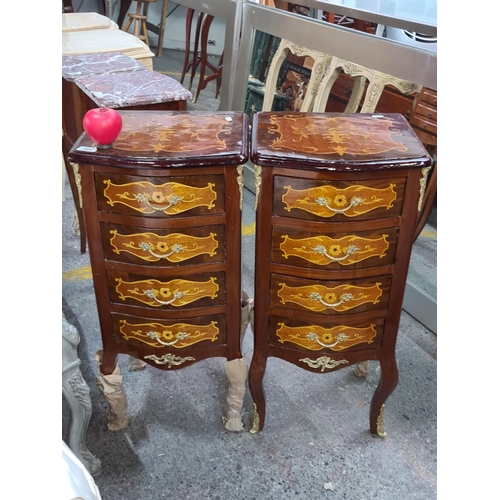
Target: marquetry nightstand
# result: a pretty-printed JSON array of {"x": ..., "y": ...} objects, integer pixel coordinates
[
  {"x": 337, "y": 198},
  {"x": 163, "y": 214}
]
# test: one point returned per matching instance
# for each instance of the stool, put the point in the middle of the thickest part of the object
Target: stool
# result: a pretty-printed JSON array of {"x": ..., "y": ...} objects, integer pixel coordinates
[
  {"x": 139, "y": 19},
  {"x": 200, "y": 58}
]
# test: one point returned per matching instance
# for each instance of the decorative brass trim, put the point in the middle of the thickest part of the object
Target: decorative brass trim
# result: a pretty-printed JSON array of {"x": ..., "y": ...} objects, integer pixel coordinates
[
  {"x": 423, "y": 184},
  {"x": 380, "y": 423},
  {"x": 169, "y": 359},
  {"x": 241, "y": 181},
  {"x": 324, "y": 362},
  {"x": 255, "y": 421},
  {"x": 258, "y": 183},
  {"x": 78, "y": 181}
]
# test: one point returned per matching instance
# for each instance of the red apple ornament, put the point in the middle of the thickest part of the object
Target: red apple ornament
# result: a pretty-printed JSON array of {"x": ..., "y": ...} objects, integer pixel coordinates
[{"x": 103, "y": 126}]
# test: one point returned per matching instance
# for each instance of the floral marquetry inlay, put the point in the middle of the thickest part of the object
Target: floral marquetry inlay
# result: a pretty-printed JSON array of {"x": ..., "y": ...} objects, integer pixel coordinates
[
  {"x": 315, "y": 337},
  {"x": 175, "y": 133},
  {"x": 323, "y": 250},
  {"x": 338, "y": 135},
  {"x": 176, "y": 292},
  {"x": 170, "y": 198},
  {"x": 175, "y": 247},
  {"x": 320, "y": 298},
  {"x": 327, "y": 201},
  {"x": 179, "y": 335}
]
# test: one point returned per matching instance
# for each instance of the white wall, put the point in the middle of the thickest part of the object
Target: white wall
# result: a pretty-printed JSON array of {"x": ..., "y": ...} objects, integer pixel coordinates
[{"x": 175, "y": 27}]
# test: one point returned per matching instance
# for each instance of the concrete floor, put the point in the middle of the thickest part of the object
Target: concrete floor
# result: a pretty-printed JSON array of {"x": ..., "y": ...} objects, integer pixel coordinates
[{"x": 316, "y": 428}]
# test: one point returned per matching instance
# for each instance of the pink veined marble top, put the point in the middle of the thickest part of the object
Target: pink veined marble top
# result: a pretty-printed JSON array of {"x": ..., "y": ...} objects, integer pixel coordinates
[
  {"x": 77, "y": 66},
  {"x": 138, "y": 88}
]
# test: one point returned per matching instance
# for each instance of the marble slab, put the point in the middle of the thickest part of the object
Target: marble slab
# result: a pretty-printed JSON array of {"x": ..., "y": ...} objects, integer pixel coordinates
[
  {"x": 82, "y": 21},
  {"x": 78, "y": 66},
  {"x": 138, "y": 88}
]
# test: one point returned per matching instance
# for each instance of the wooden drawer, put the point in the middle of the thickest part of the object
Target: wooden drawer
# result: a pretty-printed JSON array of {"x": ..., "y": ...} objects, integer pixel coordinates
[
  {"x": 337, "y": 201},
  {"x": 164, "y": 247},
  {"x": 429, "y": 96},
  {"x": 426, "y": 112},
  {"x": 325, "y": 337},
  {"x": 334, "y": 250},
  {"x": 330, "y": 297},
  {"x": 166, "y": 197},
  {"x": 170, "y": 335},
  {"x": 171, "y": 293},
  {"x": 427, "y": 125}
]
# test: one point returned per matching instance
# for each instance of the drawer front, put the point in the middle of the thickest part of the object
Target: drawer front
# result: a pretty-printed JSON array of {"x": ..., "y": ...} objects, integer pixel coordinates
[
  {"x": 172, "y": 335},
  {"x": 330, "y": 297},
  {"x": 199, "y": 290},
  {"x": 163, "y": 247},
  {"x": 160, "y": 197},
  {"x": 334, "y": 250},
  {"x": 339, "y": 200},
  {"x": 426, "y": 124},
  {"x": 429, "y": 96},
  {"x": 426, "y": 112},
  {"x": 327, "y": 338}
]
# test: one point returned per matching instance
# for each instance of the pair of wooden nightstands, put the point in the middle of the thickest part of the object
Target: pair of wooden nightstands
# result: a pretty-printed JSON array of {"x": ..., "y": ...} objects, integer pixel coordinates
[{"x": 336, "y": 205}]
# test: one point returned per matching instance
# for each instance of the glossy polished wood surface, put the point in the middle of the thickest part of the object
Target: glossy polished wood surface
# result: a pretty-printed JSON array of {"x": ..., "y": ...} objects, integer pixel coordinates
[
  {"x": 173, "y": 139},
  {"x": 337, "y": 141},
  {"x": 163, "y": 213},
  {"x": 337, "y": 206}
]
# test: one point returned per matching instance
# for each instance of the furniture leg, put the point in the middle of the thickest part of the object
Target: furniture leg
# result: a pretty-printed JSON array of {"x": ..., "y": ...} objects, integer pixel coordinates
[
  {"x": 236, "y": 371},
  {"x": 255, "y": 378},
  {"x": 428, "y": 201},
  {"x": 187, "y": 49},
  {"x": 111, "y": 387},
  {"x": 161, "y": 35},
  {"x": 387, "y": 383},
  {"x": 74, "y": 182},
  {"x": 77, "y": 394},
  {"x": 196, "y": 53}
]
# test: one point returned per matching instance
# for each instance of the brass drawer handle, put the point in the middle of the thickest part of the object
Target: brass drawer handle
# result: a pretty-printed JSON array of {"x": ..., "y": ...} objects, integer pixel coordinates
[
  {"x": 346, "y": 297},
  {"x": 351, "y": 250},
  {"x": 173, "y": 200},
  {"x": 152, "y": 295},
  {"x": 155, "y": 336},
  {"x": 340, "y": 338},
  {"x": 175, "y": 249},
  {"x": 169, "y": 359},
  {"x": 324, "y": 362},
  {"x": 323, "y": 202}
]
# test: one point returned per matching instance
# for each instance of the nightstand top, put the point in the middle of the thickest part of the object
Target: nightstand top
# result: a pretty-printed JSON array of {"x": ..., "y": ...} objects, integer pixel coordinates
[
  {"x": 336, "y": 141},
  {"x": 171, "y": 139}
]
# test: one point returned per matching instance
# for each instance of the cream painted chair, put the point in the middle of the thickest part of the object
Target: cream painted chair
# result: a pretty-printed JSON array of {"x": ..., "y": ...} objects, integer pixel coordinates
[
  {"x": 317, "y": 72},
  {"x": 377, "y": 83}
]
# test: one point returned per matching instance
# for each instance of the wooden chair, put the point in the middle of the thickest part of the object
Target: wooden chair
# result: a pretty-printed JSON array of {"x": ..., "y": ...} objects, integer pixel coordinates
[
  {"x": 317, "y": 71},
  {"x": 377, "y": 81},
  {"x": 191, "y": 63}
]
